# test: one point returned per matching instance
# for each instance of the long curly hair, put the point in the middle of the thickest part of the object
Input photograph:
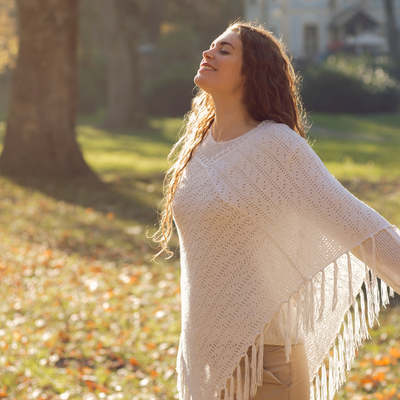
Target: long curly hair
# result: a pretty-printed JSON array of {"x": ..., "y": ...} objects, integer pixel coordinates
[{"x": 271, "y": 92}]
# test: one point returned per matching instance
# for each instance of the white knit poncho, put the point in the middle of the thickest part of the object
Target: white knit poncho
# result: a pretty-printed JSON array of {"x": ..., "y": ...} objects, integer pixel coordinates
[{"x": 264, "y": 227}]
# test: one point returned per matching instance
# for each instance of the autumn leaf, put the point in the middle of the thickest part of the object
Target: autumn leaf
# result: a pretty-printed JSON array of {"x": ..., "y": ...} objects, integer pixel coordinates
[
  {"x": 386, "y": 394},
  {"x": 379, "y": 376},
  {"x": 153, "y": 373},
  {"x": 382, "y": 361},
  {"x": 133, "y": 361},
  {"x": 394, "y": 352}
]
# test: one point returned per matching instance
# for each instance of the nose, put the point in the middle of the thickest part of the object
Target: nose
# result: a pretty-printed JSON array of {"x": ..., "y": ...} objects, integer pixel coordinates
[{"x": 207, "y": 54}]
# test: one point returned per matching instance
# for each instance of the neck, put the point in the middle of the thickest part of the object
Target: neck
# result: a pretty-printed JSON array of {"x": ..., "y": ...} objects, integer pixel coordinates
[{"x": 231, "y": 119}]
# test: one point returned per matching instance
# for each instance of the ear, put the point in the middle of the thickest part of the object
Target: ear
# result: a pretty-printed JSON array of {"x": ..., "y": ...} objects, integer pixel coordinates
[{"x": 245, "y": 77}]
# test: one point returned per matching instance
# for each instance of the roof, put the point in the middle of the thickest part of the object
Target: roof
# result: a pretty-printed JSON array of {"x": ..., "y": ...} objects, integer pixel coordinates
[{"x": 349, "y": 13}]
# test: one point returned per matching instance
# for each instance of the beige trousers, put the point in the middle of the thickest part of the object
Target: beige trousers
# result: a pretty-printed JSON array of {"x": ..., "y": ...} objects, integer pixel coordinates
[{"x": 281, "y": 380}]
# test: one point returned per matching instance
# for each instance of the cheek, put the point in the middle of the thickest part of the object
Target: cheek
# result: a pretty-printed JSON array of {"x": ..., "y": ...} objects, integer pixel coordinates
[
  {"x": 236, "y": 77},
  {"x": 235, "y": 71}
]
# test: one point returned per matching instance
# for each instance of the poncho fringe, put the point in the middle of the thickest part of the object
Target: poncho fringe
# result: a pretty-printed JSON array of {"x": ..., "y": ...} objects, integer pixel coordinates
[{"x": 331, "y": 374}]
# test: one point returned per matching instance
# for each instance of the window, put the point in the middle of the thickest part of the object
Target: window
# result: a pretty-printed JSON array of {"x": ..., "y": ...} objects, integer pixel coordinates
[{"x": 310, "y": 40}]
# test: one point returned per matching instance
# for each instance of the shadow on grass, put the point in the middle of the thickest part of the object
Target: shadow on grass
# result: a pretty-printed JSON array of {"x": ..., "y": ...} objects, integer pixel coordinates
[
  {"x": 125, "y": 203},
  {"x": 160, "y": 129},
  {"x": 128, "y": 197}
]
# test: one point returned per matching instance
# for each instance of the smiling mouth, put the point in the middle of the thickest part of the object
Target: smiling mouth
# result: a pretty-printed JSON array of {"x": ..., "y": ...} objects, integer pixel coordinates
[{"x": 207, "y": 67}]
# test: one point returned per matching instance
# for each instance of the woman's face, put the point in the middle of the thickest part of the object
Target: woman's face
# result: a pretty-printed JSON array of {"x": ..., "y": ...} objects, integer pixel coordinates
[{"x": 220, "y": 69}]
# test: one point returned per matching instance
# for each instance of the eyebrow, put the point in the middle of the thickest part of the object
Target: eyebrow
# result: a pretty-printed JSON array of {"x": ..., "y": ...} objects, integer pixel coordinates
[{"x": 223, "y": 43}]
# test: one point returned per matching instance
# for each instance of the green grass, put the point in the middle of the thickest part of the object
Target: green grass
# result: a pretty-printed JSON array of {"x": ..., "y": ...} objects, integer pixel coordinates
[
  {"x": 140, "y": 151},
  {"x": 84, "y": 313},
  {"x": 359, "y": 147},
  {"x": 350, "y": 159},
  {"x": 386, "y": 125}
]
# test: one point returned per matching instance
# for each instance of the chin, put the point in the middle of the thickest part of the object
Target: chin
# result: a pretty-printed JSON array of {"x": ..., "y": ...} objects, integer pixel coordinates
[{"x": 200, "y": 82}]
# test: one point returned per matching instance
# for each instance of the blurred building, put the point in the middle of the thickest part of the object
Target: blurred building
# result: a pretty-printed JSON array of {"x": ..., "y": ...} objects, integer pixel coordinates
[{"x": 314, "y": 28}]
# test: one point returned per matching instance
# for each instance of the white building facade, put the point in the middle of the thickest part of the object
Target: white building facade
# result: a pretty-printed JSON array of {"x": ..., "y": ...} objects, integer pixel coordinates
[{"x": 313, "y": 28}]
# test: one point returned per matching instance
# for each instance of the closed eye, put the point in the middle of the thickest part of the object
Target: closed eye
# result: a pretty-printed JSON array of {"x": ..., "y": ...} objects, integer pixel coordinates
[{"x": 224, "y": 52}]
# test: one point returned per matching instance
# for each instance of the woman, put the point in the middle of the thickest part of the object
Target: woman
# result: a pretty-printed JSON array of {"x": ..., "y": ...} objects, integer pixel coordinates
[{"x": 274, "y": 251}]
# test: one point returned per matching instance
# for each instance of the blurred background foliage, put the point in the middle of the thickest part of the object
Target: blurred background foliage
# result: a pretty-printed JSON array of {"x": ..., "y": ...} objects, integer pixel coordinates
[
  {"x": 167, "y": 47},
  {"x": 167, "y": 50},
  {"x": 352, "y": 84}
]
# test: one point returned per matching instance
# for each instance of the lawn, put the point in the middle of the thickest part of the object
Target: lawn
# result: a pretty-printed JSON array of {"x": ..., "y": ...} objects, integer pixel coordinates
[
  {"x": 364, "y": 147},
  {"x": 85, "y": 315}
]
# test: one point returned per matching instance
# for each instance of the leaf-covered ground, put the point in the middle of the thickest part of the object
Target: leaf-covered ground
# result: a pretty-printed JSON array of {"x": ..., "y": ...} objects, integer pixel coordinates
[{"x": 85, "y": 315}]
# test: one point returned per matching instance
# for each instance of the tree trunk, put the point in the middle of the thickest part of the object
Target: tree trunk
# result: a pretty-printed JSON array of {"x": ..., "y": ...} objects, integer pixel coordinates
[
  {"x": 392, "y": 31},
  {"x": 40, "y": 138},
  {"x": 153, "y": 18},
  {"x": 125, "y": 105}
]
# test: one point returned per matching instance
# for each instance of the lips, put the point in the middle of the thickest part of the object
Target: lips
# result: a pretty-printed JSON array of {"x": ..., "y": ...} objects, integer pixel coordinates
[{"x": 207, "y": 66}]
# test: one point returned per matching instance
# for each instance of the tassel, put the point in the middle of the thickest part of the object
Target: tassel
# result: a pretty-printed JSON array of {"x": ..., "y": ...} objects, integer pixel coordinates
[
  {"x": 324, "y": 387},
  {"x": 374, "y": 282},
  {"x": 364, "y": 328},
  {"x": 260, "y": 360},
  {"x": 350, "y": 348},
  {"x": 312, "y": 394},
  {"x": 367, "y": 276},
  {"x": 321, "y": 310},
  {"x": 331, "y": 381},
  {"x": 317, "y": 388},
  {"x": 342, "y": 369},
  {"x": 335, "y": 286},
  {"x": 391, "y": 230},
  {"x": 350, "y": 272},
  {"x": 253, "y": 389},
  {"x": 306, "y": 308},
  {"x": 336, "y": 369},
  {"x": 312, "y": 306},
  {"x": 239, "y": 391},
  {"x": 300, "y": 312},
  {"x": 376, "y": 301},
  {"x": 370, "y": 309},
  {"x": 357, "y": 325},
  {"x": 232, "y": 389},
  {"x": 246, "y": 389},
  {"x": 384, "y": 294},
  {"x": 229, "y": 393},
  {"x": 346, "y": 344},
  {"x": 281, "y": 324},
  {"x": 288, "y": 342}
]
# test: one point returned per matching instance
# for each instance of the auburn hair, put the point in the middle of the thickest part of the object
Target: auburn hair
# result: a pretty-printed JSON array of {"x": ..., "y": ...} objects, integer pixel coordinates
[{"x": 271, "y": 92}]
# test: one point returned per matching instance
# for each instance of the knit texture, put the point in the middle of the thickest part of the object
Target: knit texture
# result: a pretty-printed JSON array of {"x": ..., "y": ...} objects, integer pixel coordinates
[{"x": 265, "y": 228}]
